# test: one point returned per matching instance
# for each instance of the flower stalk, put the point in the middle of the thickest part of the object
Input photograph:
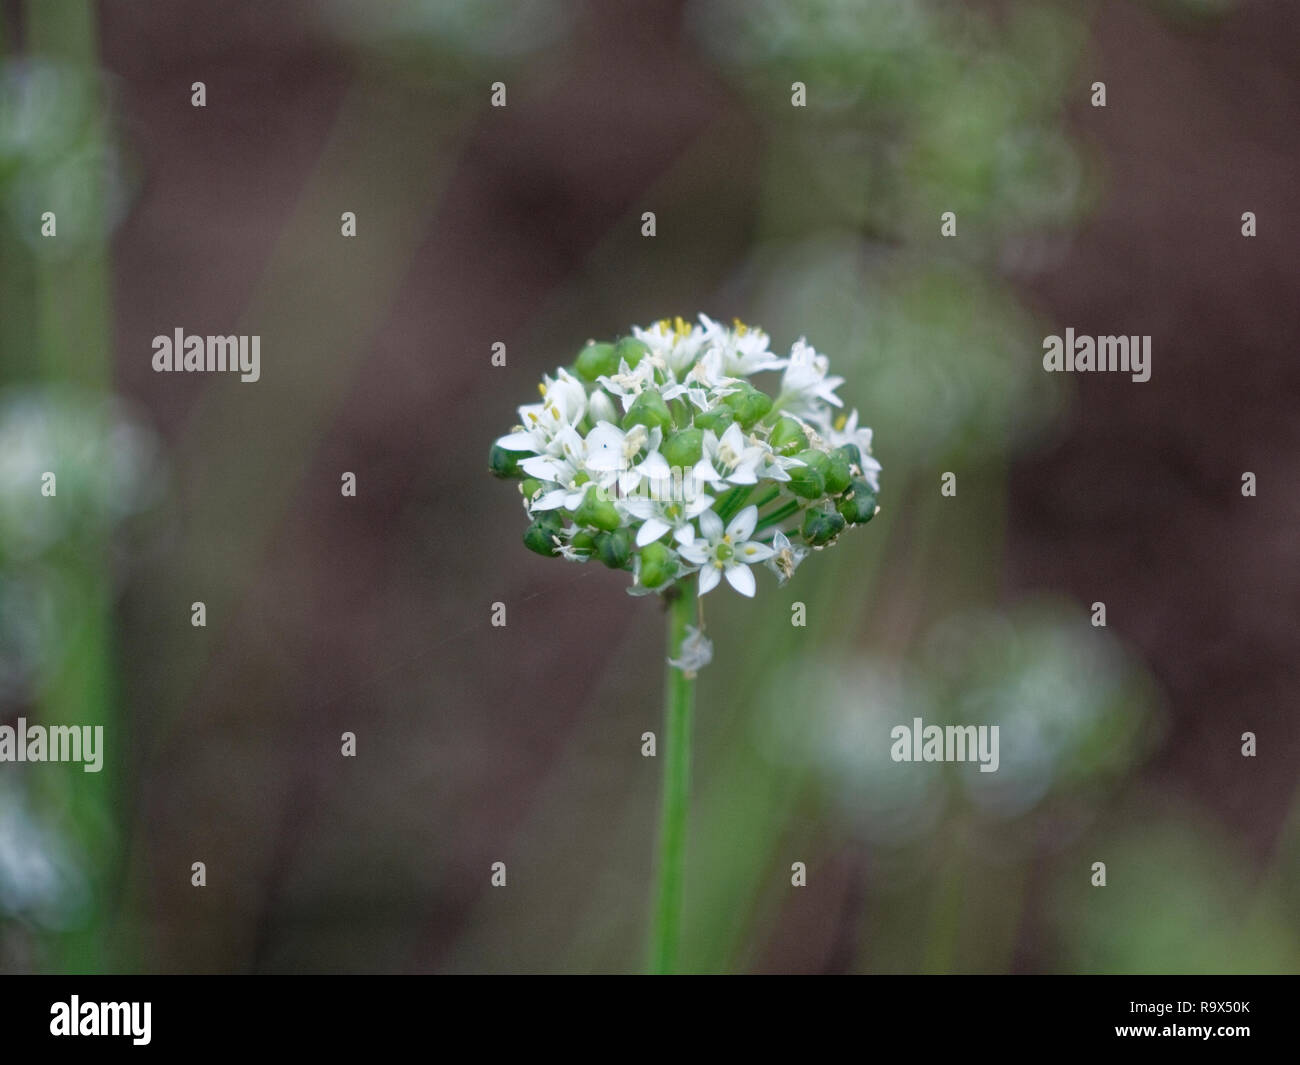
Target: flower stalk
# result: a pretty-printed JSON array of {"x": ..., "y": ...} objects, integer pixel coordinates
[{"x": 679, "y": 698}]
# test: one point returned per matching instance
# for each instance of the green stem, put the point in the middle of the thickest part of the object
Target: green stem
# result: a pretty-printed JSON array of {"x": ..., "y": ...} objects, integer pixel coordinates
[
  {"x": 679, "y": 697},
  {"x": 779, "y": 515},
  {"x": 729, "y": 505}
]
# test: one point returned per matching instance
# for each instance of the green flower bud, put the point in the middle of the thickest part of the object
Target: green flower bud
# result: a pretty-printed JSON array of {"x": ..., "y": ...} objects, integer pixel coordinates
[
  {"x": 681, "y": 412},
  {"x": 615, "y": 548},
  {"x": 596, "y": 360},
  {"x": 529, "y": 487},
  {"x": 839, "y": 474},
  {"x": 809, "y": 480},
  {"x": 629, "y": 350},
  {"x": 788, "y": 437},
  {"x": 658, "y": 564},
  {"x": 820, "y": 527},
  {"x": 539, "y": 535},
  {"x": 851, "y": 453},
  {"x": 596, "y": 510},
  {"x": 583, "y": 541},
  {"x": 818, "y": 460},
  {"x": 684, "y": 448},
  {"x": 503, "y": 463},
  {"x": 748, "y": 404},
  {"x": 717, "y": 419},
  {"x": 650, "y": 410},
  {"x": 859, "y": 505}
]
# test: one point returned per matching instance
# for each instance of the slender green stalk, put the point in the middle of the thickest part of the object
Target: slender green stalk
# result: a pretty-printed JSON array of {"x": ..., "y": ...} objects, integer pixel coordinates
[
  {"x": 729, "y": 505},
  {"x": 679, "y": 697},
  {"x": 777, "y": 516}
]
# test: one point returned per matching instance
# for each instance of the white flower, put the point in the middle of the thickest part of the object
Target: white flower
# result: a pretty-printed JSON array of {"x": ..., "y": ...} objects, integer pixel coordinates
[
  {"x": 658, "y": 514},
  {"x": 611, "y": 453},
  {"x": 743, "y": 351},
  {"x": 731, "y": 459},
  {"x": 727, "y": 553},
  {"x": 629, "y": 383},
  {"x": 673, "y": 345},
  {"x": 696, "y": 652},
  {"x": 615, "y": 476},
  {"x": 805, "y": 384},
  {"x": 785, "y": 557}
]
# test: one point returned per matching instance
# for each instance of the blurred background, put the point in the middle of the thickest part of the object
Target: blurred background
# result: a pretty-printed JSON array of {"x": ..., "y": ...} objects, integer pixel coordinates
[{"x": 522, "y": 225}]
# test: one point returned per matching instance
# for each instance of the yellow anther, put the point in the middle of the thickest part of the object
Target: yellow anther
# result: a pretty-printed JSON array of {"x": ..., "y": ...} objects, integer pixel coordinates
[
  {"x": 840, "y": 422},
  {"x": 541, "y": 387},
  {"x": 740, "y": 327}
]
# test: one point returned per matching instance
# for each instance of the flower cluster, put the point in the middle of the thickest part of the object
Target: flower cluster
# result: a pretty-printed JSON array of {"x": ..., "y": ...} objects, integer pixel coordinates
[{"x": 656, "y": 454}]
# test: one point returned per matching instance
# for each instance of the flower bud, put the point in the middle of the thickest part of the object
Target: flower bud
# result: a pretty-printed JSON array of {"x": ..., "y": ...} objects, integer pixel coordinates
[
  {"x": 839, "y": 473},
  {"x": 600, "y": 407},
  {"x": 788, "y": 437},
  {"x": 658, "y": 564},
  {"x": 529, "y": 487},
  {"x": 809, "y": 480},
  {"x": 684, "y": 448},
  {"x": 852, "y": 453},
  {"x": 597, "y": 511},
  {"x": 821, "y": 527},
  {"x": 748, "y": 404},
  {"x": 596, "y": 360},
  {"x": 614, "y": 548},
  {"x": 539, "y": 536},
  {"x": 650, "y": 410},
  {"x": 717, "y": 419},
  {"x": 503, "y": 463},
  {"x": 859, "y": 505},
  {"x": 629, "y": 350}
]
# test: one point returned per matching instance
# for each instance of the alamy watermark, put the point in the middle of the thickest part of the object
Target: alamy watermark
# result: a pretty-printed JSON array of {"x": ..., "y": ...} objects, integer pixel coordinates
[
  {"x": 1108, "y": 354},
  {"x": 55, "y": 743},
  {"x": 946, "y": 743},
  {"x": 210, "y": 354}
]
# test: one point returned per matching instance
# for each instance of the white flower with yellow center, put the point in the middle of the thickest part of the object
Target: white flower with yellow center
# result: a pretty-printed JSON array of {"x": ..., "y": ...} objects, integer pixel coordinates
[{"x": 726, "y": 553}]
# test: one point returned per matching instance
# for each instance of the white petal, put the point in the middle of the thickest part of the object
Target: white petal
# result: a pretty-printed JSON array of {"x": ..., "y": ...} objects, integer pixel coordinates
[
  {"x": 605, "y": 448},
  {"x": 696, "y": 551},
  {"x": 551, "y": 500},
  {"x": 709, "y": 577},
  {"x": 704, "y": 473},
  {"x": 518, "y": 442},
  {"x": 683, "y": 534},
  {"x": 742, "y": 525},
  {"x": 640, "y": 507},
  {"x": 711, "y": 525},
  {"x": 544, "y": 468},
  {"x": 651, "y": 531},
  {"x": 754, "y": 552},
  {"x": 734, "y": 438},
  {"x": 739, "y": 578},
  {"x": 698, "y": 505},
  {"x": 655, "y": 467}
]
